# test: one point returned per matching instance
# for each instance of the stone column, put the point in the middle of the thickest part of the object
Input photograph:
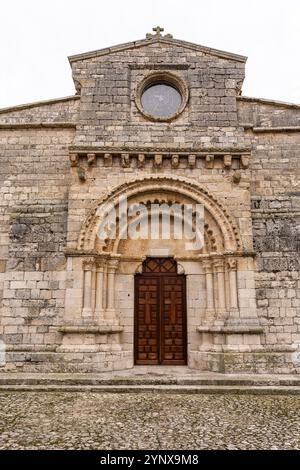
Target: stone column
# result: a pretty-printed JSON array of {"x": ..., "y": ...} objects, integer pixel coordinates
[
  {"x": 232, "y": 267},
  {"x": 219, "y": 269},
  {"x": 112, "y": 266},
  {"x": 104, "y": 296},
  {"x": 210, "y": 301},
  {"x": 87, "y": 287},
  {"x": 99, "y": 289}
]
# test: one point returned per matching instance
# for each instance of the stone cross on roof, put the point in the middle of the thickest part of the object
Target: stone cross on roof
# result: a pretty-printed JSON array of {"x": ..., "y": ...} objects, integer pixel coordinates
[{"x": 158, "y": 30}]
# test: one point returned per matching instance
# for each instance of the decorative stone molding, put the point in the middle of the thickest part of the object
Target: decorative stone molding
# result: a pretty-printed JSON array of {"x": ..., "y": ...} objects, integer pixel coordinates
[
  {"x": 227, "y": 161},
  {"x": 81, "y": 174},
  {"x": 99, "y": 329},
  {"x": 73, "y": 159},
  {"x": 91, "y": 158},
  {"x": 180, "y": 269},
  {"x": 232, "y": 263},
  {"x": 141, "y": 160},
  {"x": 237, "y": 176},
  {"x": 175, "y": 161},
  {"x": 185, "y": 187},
  {"x": 158, "y": 161},
  {"x": 192, "y": 161},
  {"x": 245, "y": 159},
  {"x": 209, "y": 161},
  {"x": 135, "y": 158},
  {"x": 125, "y": 160},
  {"x": 234, "y": 329},
  {"x": 107, "y": 159}
]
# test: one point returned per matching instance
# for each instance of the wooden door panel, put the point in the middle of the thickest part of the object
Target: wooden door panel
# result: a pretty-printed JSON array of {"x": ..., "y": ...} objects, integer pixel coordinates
[
  {"x": 160, "y": 315},
  {"x": 147, "y": 321},
  {"x": 173, "y": 320}
]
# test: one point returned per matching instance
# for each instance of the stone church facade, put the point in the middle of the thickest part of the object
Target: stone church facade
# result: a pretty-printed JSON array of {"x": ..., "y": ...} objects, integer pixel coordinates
[{"x": 70, "y": 301}]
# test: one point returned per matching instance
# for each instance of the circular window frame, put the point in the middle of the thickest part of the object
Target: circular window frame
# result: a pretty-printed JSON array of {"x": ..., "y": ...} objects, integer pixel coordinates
[{"x": 168, "y": 79}]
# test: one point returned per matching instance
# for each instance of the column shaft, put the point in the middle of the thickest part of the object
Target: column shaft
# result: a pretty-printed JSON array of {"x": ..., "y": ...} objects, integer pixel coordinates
[{"x": 87, "y": 295}]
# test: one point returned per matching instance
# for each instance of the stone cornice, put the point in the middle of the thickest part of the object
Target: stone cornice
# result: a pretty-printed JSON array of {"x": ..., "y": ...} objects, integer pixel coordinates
[
  {"x": 38, "y": 125},
  {"x": 83, "y": 150},
  {"x": 284, "y": 104},
  {"x": 234, "y": 329},
  {"x": 35, "y": 104},
  {"x": 137, "y": 157},
  {"x": 164, "y": 40},
  {"x": 94, "y": 329},
  {"x": 276, "y": 129}
]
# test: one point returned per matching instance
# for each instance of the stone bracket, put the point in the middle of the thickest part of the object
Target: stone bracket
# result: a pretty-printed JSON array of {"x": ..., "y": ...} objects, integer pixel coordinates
[{"x": 235, "y": 159}]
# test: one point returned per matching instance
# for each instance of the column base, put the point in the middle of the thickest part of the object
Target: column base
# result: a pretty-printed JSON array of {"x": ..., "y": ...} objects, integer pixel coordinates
[
  {"x": 87, "y": 313},
  {"x": 110, "y": 315}
]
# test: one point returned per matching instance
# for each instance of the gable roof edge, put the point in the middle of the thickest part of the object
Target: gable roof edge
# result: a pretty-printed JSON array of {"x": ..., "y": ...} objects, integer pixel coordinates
[
  {"x": 146, "y": 42},
  {"x": 266, "y": 101}
]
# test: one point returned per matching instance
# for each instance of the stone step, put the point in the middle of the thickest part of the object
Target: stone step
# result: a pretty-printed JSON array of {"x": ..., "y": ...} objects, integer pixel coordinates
[
  {"x": 133, "y": 379},
  {"x": 154, "y": 388}
]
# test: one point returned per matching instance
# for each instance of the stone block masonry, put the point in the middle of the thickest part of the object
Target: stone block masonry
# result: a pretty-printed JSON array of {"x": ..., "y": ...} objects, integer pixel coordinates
[{"x": 68, "y": 300}]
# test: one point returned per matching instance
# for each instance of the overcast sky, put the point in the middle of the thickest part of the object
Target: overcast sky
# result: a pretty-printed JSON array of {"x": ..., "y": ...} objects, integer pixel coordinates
[{"x": 36, "y": 36}]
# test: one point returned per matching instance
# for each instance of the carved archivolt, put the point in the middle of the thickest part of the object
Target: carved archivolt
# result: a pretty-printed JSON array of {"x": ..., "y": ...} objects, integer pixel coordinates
[{"x": 218, "y": 223}]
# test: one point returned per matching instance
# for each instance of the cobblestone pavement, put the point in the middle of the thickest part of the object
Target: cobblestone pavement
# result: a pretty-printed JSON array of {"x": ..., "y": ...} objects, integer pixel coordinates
[{"x": 79, "y": 420}]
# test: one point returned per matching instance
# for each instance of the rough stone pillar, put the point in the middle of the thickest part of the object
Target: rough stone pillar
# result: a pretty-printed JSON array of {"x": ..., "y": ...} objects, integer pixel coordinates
[
  {"x": 112, "y": 266},
  {"x": 210, "y": 301},
  {"x": 219, "y": 269},
  {"x": 232, "y": 266},
  {"x": 87, "y": 287}
]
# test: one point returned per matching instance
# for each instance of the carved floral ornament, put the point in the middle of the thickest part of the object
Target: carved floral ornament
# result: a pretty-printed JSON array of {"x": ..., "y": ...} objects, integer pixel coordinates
[{"x": 182, "y": 187}]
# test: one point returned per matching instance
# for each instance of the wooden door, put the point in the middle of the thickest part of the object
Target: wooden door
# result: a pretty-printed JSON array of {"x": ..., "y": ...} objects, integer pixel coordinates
[{"x": 160, "y": 314}]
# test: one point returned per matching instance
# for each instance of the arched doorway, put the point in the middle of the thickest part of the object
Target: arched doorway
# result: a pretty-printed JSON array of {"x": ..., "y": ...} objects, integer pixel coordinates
[{"x": 160, "y": 314}]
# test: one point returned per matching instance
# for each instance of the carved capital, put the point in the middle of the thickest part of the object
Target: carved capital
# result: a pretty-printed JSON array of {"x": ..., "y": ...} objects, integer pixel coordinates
[
  {"x": 207, "y": 266},
  {"x": 89, "y": 264},
  {"x": 218, "y": 265},
  {"x": 112, "y": 265},
  {"x": 101, "y": 262},
  {"x": 232, "y": 264}
]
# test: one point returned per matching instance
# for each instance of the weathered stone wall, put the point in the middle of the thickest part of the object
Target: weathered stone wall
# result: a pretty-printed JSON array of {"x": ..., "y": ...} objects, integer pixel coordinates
[
  {"x": 108, "y": 113},
  {"x": 275, "y": 191},
  {"x": 34, "y": 170},
  {"x": 44, "y": 203},
  {"x": 51, "y": 112}
]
